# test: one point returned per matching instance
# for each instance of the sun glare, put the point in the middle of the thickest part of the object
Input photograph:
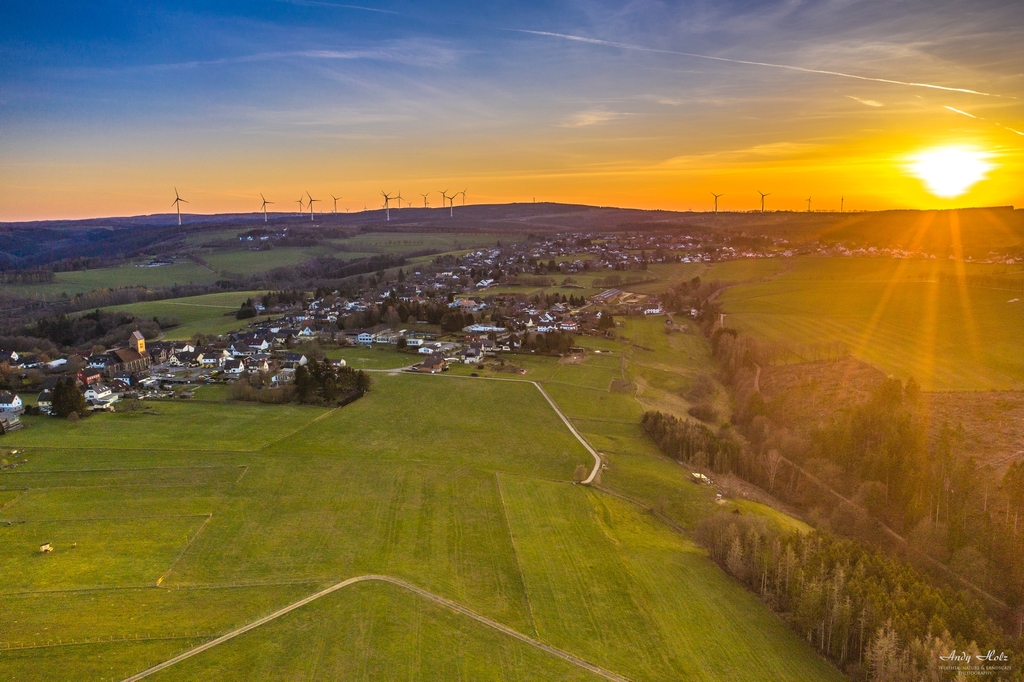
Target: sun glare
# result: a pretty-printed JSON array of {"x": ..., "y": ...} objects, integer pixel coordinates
[{"x": 949, "y": 171}]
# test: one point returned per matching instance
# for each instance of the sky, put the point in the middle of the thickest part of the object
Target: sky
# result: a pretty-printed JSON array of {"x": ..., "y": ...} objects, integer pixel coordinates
[{"x": 107, "y": 107}]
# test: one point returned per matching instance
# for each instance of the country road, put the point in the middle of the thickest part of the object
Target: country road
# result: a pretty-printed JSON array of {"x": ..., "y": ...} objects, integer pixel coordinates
[{"x": 446, "y": 603}]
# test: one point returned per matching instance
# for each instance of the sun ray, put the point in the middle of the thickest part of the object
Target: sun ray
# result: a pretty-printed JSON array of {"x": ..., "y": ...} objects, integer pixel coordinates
[
  {"x": 883, "y": 302},
  {"x": 961, "y": 282}
]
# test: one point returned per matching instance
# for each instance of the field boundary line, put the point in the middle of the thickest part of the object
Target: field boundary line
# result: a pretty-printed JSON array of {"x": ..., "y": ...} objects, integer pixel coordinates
[
  {"x": 515, "y": 552},
  {"x": 437, "y": 599},
  {"x": 160, "y": 580},
  {"x": 295, "y": 431}
]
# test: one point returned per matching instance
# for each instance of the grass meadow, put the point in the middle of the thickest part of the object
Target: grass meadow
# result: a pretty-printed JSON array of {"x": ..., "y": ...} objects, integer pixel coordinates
[
  {"x": 928, "y": 319},
  {"x": 174, "y": 526},
  {"x": 82, "y": 281},
  {"x": 206, "y": 314}
]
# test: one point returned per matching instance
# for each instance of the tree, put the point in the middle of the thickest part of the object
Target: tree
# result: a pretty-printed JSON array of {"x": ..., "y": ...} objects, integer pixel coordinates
[
  {"x": 247, "y": 310},
  {"x": 67, "y": 399},
  {"x": 605, "y": 321}
]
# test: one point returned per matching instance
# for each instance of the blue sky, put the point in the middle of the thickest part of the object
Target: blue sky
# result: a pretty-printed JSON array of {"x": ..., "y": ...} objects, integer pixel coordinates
[{"x": 104, "y": 107}]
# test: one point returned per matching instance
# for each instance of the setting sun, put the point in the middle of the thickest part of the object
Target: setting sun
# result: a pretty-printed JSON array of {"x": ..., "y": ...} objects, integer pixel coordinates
[{"x": 948, "y": 172}]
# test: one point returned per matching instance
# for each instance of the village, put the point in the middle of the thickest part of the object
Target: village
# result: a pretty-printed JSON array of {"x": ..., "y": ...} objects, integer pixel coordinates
[
  {"x": 454, "y": 309},
  {"x": 449, "y": 311}
]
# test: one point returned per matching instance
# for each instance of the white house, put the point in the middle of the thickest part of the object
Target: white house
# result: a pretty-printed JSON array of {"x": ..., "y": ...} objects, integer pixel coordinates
[
  {"x": 365, "y": 339},
  {"x": 100, "y": 396},
  {"x": 11, "y": 402}
]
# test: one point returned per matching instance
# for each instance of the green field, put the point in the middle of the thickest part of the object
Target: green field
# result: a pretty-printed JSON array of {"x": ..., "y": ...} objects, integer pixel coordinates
[
  {"x": 928, "y": 319},
  {"x": 82, "y": 281},
  {"x": 244, "y": 262},
  {"x": 206, "y": 314},
  {"x": 192, "y": 519}
]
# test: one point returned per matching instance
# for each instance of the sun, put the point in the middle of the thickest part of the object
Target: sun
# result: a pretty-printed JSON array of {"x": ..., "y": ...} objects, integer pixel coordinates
[{"x": 950, "y": 171}]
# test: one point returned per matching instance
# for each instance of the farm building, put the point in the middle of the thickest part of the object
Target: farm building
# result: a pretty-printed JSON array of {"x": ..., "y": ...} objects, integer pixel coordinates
[
  {"x": 9, "y": 421},
  {"x": 434, "y": 364}
]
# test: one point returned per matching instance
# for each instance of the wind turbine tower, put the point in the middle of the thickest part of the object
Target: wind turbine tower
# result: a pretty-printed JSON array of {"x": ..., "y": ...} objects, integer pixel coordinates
[
  {"x": 399, "y": 198},
  {"x": 716, "y": 200},
  {"x": 335, "y": 203},
  {"x": 842, "y": 200},
  {"x": 424, "y": 199},
  {"x": 763, "y": 195},
  {"x": 302, "y": 202},
  {"x": 177, "y": 204},
  {"x": 265, "y": 202},
  {"x": 311, "y": 200},
  {"x": 444, "y": 195},
  {"x": 463, "y": 193},
  {"x": 387, "y": 204},
  {"x": 808, "y": 204}
]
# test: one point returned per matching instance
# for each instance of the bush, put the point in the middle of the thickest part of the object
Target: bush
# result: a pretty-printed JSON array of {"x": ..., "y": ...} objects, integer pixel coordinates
[{"x": 705, "y": 413}]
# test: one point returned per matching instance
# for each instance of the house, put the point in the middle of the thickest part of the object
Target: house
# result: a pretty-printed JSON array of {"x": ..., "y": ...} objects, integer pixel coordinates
[
  {"x": 11, "y": 402},
  {"x": 44, "y": 401},
  {"x": 365, "y": 339},
  {"x": 434, "y": 364},
  {"x": 9, "y": 421},
  {"x": 10, "y": 357},
  {"x": 99, "y": 396},
  {"x": 89, "y": 376},
  {"x": 293, "y": 360},
  {"x": 234, "y": 366},
  {"x": 471, "y": 356}
]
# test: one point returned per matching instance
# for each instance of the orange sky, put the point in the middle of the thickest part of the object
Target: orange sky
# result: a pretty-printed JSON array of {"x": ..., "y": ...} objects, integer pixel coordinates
[{"x": 630, "y": 107}]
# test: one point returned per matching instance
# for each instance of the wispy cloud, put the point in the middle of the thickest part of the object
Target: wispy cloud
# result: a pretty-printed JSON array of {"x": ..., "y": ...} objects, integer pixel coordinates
[
  {"x": 979, "y": 118},
  {"x": 335, "y": 5},
  {"x": 745, "y": 62},
  {"x": 866, "y": 102},
  {"x": 593, "y": 117}
]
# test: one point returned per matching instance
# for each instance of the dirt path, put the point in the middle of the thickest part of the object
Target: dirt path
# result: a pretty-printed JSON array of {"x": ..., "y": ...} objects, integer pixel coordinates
[{"x": 446, "y": 603}]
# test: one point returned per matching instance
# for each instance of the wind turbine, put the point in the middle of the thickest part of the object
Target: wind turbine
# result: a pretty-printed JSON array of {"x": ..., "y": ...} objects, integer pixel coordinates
[
  {"x": 808, "y": 204},
  {"x": 763, "y": 195},
  {"x": 311, "y": 200},
  {"x": 335, "y": 203},
  {"x": 716, "y": 200},
  {"x": 444, "y": 195},
  {"x": 177, "y": 204},
  {"x": 387, "y": 204},
  {"x": 424, "y": 199},
  {"x": 301, "y": 202},
  {"x": 264, "y": 207},
  {"x": 841, "y": 201},
  {"x": 463, "y": 193},
  {"x": 399, "y": 198}
]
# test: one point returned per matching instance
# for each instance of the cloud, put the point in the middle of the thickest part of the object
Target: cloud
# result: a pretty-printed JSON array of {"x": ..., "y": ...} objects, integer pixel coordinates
[
  {"x": 745, "y": 62},
  {"x": 866, "y": 102},
  {"x": 593, "y": 117},
  {"x": 333, "y": 5}
]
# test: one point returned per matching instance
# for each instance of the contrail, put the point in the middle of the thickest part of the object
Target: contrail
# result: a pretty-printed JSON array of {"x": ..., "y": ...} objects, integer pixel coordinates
[
  {"x": 979, "y": 118},
  {"x": 788, "y": 67},
  {"x": 316, "y": 3}
]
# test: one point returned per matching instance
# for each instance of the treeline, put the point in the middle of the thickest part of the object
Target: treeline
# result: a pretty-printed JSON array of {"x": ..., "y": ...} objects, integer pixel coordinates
[
  {"x": 331, "y": 268},
  {"x": 557, "y": 343},
  {"x": 25, "y": 311},
  {"x": 40, "y": 276},
  {"x": 694, "y": 443},
  {"x": 324, "y": 382},
  {"x": 871, "y": 464},
  {"x": 98, "y": 327},
  {"x": 873, "y": 616},
  {"x": 317, "y": 383}
]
